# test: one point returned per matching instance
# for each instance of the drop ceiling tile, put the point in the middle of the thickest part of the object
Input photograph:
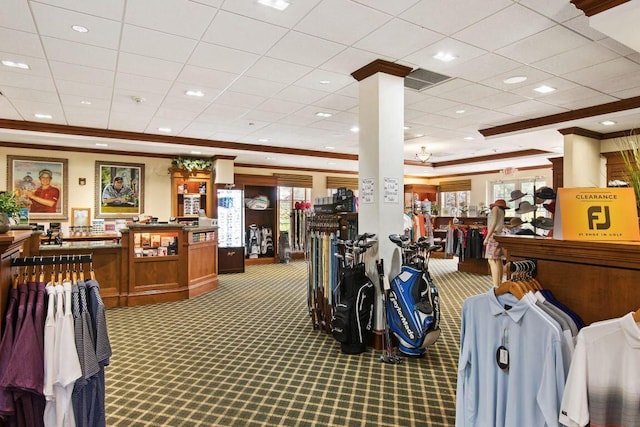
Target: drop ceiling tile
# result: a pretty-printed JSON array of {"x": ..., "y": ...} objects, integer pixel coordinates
[
  {"x": 142, "y": 83},
  {"x": 286, "y": 18},
  {"x": 263, "y": 116},
  {"x": 444, "y": 87},
  {"x": 581, "y": 24},
  {"x": 397, "y": 39},
  {"x": 510, "y": 22},
  {"x": 16, "y": 15},
  {"x": 334, "y": 20},
  {"x": 37, "y": 67},
  {"x": 532, "y": 74},
  {"x": 451, "y": 16},
  {"x": 176, "y": 125},
  {"x": 304, "y": 49},
  {"x": 79, "y": 53},
  {"x": 82, "y": 74},
  {"x": 497, "y": 100},
  {"x": 336, "y": 81},
  {"x": 8, "y": 112},
  {"x": 26, "y": 81},
  {"x": 211, "y": 3},
  {"x": 176, "y": 113},
  {"x": 616, "y": 46},
  {"x": 531, "y": 108},
  {"x": 179, "y": 90},
  {"x": 148, "y": 67},
  {"x": 221, "y": 113},
  {"x": 110, "y": 9},
  {"x": 592, "y": 101},
  {"x": 470, "y": 93},
  {"x": 20, "y": 43},
  {"x": 29, "y": 94},
  {"x": 547, "y": 43},
  {"x": 193, "y": 17},
  {"x": 222, "y": 58},
  {"x": 237, "y": 99},
  {"x": 239, "y": 32},
  {"x": 560, "y": 84},
  {"x": 345, "y": 117},
  {"x": 125, "y": 97},
  {"x": 205, "y": 77},
  {"x": 617, "y": 83},
  {"x": 255, "y": 86},
  {"x": 29, "y": 108},
  {"x": 432, "y": 105},
  {"x": 142, "y": 41},
  {"x": 628, "y": 93},
  {"x": 300, "y": 94},
  {"x": 125, "y": 121},
  {"x": 277, "y": 71},
  {"x": 571, "y": 61},
  {"x": 95, "y": 118},
  {"x": 604, "y": 71},
  {"x": 350, "y": 60},
  {"x": 555, "y": 10},
  {"x": 297, "y": 119},
  {"x": 280, "y": 105},
  {"x": 67, "y": 87},
  {"x": 337, "y": 102},
  {"x": 180, "y": 102},
  {"x": 484, "y": 67},
  {"x": 352, "y": 90},
  {"x": 463, "y": 52},
  {"x": 391, "y": 7},
  {"x": 76, "y": 102},
  {"x": 57, "y": 22}
]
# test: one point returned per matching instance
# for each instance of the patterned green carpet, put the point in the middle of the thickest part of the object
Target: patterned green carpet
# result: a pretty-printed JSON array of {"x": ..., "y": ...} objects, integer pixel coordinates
[{"x": 247, "y": 355}]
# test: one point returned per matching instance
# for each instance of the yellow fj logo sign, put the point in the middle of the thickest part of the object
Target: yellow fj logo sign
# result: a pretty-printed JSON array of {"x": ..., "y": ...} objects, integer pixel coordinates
[{"x": 596, "y": 214}]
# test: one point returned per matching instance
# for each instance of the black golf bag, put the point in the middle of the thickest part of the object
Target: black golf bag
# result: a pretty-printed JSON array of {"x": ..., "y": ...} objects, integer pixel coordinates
[
  {"x": 413, "y": 311},
  {"x": 352, "y": 320}
]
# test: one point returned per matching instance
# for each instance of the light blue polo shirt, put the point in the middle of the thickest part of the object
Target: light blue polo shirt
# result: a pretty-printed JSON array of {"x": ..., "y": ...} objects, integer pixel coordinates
[{"x": 530, "y": 392}]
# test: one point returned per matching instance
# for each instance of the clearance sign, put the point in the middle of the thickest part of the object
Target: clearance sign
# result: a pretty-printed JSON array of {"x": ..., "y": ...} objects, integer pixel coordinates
[{"x": 596, "y": 214}]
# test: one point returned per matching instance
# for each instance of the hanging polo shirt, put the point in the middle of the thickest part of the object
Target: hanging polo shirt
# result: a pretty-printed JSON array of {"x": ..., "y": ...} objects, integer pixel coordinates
[
  {"x": 603, "y": 388},
  {"x": 7, "y": 406},
  {"x": 529, "y": 392}
]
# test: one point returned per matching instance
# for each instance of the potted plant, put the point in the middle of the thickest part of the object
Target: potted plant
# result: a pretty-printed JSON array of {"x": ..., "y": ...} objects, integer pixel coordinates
[
  {"x": 8, "y": 207},
  {"x": 630, "y": 152}
]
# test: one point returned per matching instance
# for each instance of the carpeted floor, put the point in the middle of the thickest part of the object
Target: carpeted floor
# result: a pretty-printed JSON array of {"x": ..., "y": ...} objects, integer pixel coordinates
[{"x": 247, "y": 355}]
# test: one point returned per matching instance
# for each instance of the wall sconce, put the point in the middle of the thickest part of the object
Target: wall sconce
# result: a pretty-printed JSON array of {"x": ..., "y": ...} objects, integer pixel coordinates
[
  {"x": 423, "y": 155},
  {"x": 82, "y": 181}
]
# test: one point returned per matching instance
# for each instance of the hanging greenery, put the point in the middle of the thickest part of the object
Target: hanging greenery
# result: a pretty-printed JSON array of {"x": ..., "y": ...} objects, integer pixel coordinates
[
  {"x": 630, "y": 152},
  {"x": 191, "y": 164}
]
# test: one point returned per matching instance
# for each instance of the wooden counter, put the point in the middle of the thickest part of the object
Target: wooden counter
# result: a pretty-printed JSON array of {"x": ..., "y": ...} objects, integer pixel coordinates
[{"x": 598, "y": 280}]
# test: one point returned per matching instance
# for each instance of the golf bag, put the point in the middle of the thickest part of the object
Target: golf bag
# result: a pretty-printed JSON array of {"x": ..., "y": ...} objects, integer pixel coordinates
[
  {"x": 413, "y": 311},
  {"x": 352, "y": 320}
]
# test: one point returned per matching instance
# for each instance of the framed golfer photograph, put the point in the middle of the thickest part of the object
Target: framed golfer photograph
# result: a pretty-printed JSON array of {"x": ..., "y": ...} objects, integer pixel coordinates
[
  {"x": 119, "y": 189},
  {"x": 80, "y": 217},
  {"x": 41, "y": 185}
]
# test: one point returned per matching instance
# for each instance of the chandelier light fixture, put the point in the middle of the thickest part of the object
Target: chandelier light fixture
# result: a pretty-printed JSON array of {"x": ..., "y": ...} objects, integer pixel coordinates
[{"x": 423, "y": 155}]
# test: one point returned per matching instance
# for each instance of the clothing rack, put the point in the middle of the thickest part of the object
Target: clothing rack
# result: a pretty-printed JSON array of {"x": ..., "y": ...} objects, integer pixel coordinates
[
  {"x": 51, "y": 260},
  {"x": 528, "y": 266}
]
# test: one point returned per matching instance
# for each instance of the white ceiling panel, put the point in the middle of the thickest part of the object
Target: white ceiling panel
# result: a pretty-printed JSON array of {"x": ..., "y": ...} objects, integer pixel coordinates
[
  {"x": 337, "y": 102},
  {"x": 237, "y": 99},
  {"x": 148, "y": 67},
  {"x": 287, "y": 18},
  {"x": 7, "y": 111},
  {"x": 432, "y": 105},
  {"x": 509, "y": 21},
  {"x": 79, "y": 53},
  {"x": 192, "y": 22},
  {"x": 110, "y": 9},
  {"x": 484, "y": 67},
  {"x": 569, "y": 62},
  {"x": 203, "y": 77},
  {"x": 57, "y": 22},
  {"x": 463, "y": 52},
  {"x": 37, "y": 67},
  {"x": 280, "y": 105},
  {"x": 19, "y": 43},
  {"x": 451, "y": 16},
  {"x": 141, "y": 83},
  {"x": 26, "y": 80},
  {"x": 77, "y": 101},
  {"x": 581, "y": 24},
  {"x": 263, "y": 116},
  {"x": 300, "y": 94},
  {"x": 471, "y": 93},
  {"x": 176, "y": 125},
  {"x": 604, "y": 71},
  {"x": 497, "y": 100},
  {"x": 156, "y": 44},
  {"x": 350, "y": 60},
  {"x": 255, "y": 86},
  {"x": 616, "y": 46},
  {"x": 16, "y": 15},
  {"x": 531, "y": 108},
  {"x": 238, "y": 32},
  {"x": 175, "y": 113},
  {"x": 334, "y": 20},
  {"x": 221, "y": 113},
  {"x": 597, "y": 100},
  {"x": 125, "y": 121},
  {"x": 558, "y": 11},
  {"x": 325, "y": 81},
  {"x": 78, "y": 116},
  {"x": 392, "y": 8},
  {"x": 28, "y": 94},
  {"x": 28, "y": 109},
  {"x": 180, "y": 102},
  {"x": 67, "y": 87},
  {"x": 532, "y": 74},
  {"x": 303, "y": 49},
  {"x": 82, "y": 74},
  {"x": 277, "y": 70},
  {"x": 221, "y": 58},
  {"x": 397, "y": 39}
]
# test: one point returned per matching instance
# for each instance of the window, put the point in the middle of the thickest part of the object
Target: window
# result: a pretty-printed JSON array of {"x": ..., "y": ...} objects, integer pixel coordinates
[
  {"x": 454, "y": 203},
  {"x": 503, "y": 189},
  {"x": 287, "y": 198}
]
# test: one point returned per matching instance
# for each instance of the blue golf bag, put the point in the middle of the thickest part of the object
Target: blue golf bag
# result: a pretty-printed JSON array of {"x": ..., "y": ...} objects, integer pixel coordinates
[{"x": 413, "y": 311}]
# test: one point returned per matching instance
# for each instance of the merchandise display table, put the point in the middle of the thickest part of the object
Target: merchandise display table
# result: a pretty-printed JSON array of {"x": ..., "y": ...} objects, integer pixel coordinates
[{"x": 597, "y": 280}]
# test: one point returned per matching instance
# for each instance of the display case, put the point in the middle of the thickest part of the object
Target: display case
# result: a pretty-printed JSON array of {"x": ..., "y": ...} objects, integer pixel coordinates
[
  {"x": 190, "y": 192},
  {"x": 230, "y": 230}
]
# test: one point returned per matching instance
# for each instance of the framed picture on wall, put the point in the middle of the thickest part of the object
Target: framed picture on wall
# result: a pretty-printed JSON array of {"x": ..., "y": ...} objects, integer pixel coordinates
[
  {"x": 41, "y": 185},
  {"x": 80, "y": 217},
  {"x": 119, "y": 189}
]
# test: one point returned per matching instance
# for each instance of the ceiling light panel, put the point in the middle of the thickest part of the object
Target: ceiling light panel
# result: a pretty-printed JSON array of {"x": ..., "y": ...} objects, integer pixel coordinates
[
  {"x": 275, "y": 4},
  {"x": 545, "y": 89},
  {"x": 444, "y": 56}
]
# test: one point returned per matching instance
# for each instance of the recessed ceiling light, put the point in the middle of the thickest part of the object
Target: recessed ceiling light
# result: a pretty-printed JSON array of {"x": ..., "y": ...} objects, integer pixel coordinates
[
  {"x": 325, "y": 82},
  {"x": 197, "y": 93},
  {"x": 329, "y": 147},
  {"x": 545, "y": 89},
  {"x": 276, "y": 4},
  {"x": 468, "y": 138},
  {"x": 608, "y": 123},
  {"x": 444, "y": 56},
  {"x": 43, "y": 116},
  {"x": 355, "y": 129},
  {"x": 323, "y": 114},
  {"x": 164, "y": 130},
  {"x": 460, "y": 111},
  {"x": 79, "y": 28},
  {"x": 263, "y": 140},
  {"x": 101, "y": 144},
  {"x": 196, "y": 152},
  {"x": 514, "y": 80},
  {"x": 14, "y": 64},
  {"x": 85, "y": 102}
]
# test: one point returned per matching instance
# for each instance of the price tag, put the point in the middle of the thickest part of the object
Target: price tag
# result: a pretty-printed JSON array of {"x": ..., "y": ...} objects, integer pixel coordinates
[{"x": 502, "y": 354}]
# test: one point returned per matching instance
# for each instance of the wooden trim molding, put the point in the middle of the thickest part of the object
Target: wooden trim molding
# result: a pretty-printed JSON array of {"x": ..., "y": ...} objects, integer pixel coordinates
[
  {"x": 582, "y": 132},
  {"x": 593, "y": 7},
  {"x": 521, "y": 153},
  {"x": 220, "y": 157},
  {"x": 381, "y": 66},
  {"x": 581, "y": 113}
]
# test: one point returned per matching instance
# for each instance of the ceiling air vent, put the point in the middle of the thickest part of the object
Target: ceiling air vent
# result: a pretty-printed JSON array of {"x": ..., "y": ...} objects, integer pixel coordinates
[{"x": 420, "y": 79}]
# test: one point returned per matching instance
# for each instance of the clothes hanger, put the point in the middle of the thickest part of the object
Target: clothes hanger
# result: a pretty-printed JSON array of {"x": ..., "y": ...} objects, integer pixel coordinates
[
  {"x": 636, "y": 316},
  {"x": 509, "y": 287},
  {"x": 41, "y": 275}
]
